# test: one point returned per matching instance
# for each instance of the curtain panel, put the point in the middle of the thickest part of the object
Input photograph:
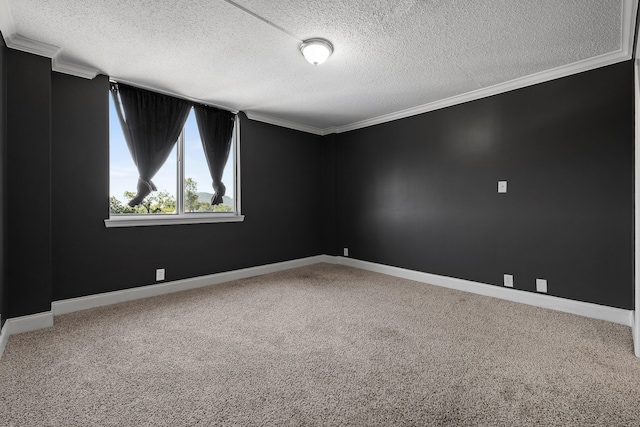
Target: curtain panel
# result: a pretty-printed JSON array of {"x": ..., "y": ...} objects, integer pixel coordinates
[
  {"x": 216, "y": 131},
  {"x": 151, "y": 123}
]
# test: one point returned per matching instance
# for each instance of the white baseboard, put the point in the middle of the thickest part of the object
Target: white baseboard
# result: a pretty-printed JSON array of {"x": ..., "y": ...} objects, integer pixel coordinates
[
  {"x": 595, "y": 311},
  {"x": 18, "y": 325},
  {"x": 32, "y": 322},
  {"x": 44, "y": 320},
  {"x": 635, "y": 333},
  {"x": 4, "y": 337},
  {"x": 108, "y": 298}
]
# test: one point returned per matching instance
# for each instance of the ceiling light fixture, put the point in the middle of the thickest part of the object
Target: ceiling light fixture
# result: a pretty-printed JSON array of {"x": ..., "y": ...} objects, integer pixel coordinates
[{"x": 317, "y": 50}]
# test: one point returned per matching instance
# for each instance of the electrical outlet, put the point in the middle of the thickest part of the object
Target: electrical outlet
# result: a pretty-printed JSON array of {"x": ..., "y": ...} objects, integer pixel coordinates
[
  {"x": 508, "y": 280},
  {"x": 541, "y": 285},
  {"x": 160, "y": 274},
  {"x": 346, "y": 251},
  {"x": 502, "y": 186}
]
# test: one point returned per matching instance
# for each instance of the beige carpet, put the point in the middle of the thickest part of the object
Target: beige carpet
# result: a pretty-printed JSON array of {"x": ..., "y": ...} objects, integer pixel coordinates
[{"x": 321, "y": 345}]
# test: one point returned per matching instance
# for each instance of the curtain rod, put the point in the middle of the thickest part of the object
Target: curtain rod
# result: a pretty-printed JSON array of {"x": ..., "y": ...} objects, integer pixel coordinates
[{"x": 169, "y": 93}]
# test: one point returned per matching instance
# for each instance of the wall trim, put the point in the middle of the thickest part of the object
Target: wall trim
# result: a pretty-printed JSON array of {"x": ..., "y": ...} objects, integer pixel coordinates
[
  {"x": 4, "y": 337},
  {"x": 44, "y": 320},
  {"x": 73, "y": 69},
  {"x": 288, "y": 124},
  {"x": 18, "y": 325},
  {"x": 533, "y": 79},
  {"x": 24, "y": 44},
  {"x": 108, "y": 298},
  {"x": 627, "y": 31},
  {"x": 519, "y": 83},
  {"x": 31, "y": 322},
  {"x": 595, "y": 311}
]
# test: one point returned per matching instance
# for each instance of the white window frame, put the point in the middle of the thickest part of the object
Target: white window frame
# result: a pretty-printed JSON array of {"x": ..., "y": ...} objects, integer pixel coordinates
[{"x": 181, "y": 217}]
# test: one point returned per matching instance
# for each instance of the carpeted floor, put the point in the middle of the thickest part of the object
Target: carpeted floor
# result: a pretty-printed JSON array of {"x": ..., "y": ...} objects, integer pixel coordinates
[{"x": 321, "y": 345}]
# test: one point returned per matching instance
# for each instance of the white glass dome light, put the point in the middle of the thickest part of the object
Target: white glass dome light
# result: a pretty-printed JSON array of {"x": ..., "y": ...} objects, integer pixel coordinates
[{"x": 316, "y": 51}]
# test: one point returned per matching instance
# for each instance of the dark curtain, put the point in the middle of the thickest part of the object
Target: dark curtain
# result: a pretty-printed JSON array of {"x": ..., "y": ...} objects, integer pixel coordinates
[
  {"x": 151, "y": 123},
  {"x": 216, "y": 129}
]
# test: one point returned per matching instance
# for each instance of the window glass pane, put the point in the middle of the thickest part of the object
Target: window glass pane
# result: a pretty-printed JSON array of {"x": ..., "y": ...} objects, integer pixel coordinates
[
  {"x": 123, "y": 176},
  {"x": 198, "y": 189}
]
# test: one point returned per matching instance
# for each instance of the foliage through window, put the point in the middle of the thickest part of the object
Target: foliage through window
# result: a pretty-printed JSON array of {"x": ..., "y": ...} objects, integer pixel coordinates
[{"x": 183, "y": 185}]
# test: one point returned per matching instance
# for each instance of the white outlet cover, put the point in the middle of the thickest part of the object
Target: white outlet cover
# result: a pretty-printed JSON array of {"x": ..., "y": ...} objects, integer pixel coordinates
[
  {"x": 346, "y": 251},
  {"x": 502, "y": 186},
  {"x": 508, "y": 280},
  {"x": 160, "y": 274},
  {"x": 541, "y": 285}
]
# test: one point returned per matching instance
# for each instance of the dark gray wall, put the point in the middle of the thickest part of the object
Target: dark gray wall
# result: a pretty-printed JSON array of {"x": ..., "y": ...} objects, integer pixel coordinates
[
  {"x": 3, "y": 145},
  {"x": 330, "y": 209},
  {"x": 281, "y": 180},
  {"x": 418, "y": 193},
  {"x": 28, "y": 183},
  {"x": 421, "y": 193}
]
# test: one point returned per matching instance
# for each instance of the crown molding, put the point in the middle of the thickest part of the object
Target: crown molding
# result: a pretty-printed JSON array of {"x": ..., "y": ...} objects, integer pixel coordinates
[
  {"x": 627, "y": 34},
  {"x": 77, "y": 70},
  {"x": 16, "y": 41},
  {"x": 556, "y": 73},
  {"x": 519, "y": 83},
  {"x": 288, "y": 124},
  {"x": 24, "y": 44}
]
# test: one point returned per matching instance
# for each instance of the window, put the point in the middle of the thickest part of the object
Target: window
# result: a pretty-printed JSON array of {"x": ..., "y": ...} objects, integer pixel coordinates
[{"x": 183, "y": 184}]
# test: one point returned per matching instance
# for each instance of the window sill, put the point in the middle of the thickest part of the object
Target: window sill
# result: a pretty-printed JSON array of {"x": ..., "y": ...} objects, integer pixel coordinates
[{"x": 151, "y": 220}]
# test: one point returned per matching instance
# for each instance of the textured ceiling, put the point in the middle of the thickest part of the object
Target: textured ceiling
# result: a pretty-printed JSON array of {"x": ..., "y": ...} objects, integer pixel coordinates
[{"x": 391, "y": 58}]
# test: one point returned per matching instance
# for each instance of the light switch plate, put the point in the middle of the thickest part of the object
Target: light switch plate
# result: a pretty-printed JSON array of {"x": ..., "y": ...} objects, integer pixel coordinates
[
  {"x": 502, "y": 186},
  {"x": 541, "y": 285}
]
